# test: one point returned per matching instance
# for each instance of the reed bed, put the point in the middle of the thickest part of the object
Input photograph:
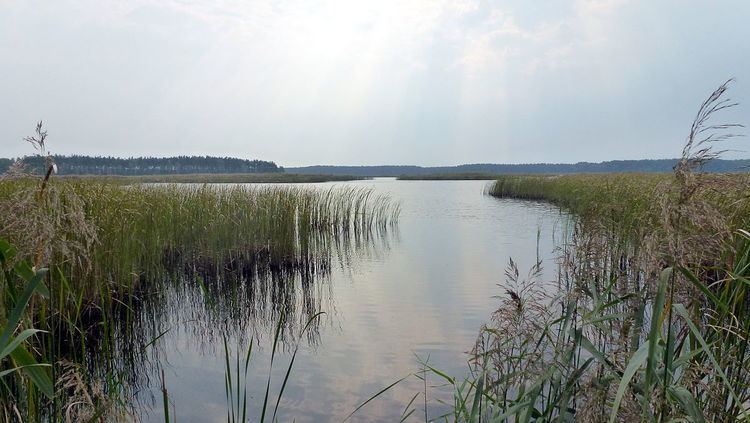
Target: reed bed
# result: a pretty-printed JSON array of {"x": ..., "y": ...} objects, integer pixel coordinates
[
  {"x": 114, "y": 250},
  {"x": 649, "y": 318},
  {"x": 582, "y": 192},
  {"x": 633, "y": 204},
  {"x": 122, "y": 234}
]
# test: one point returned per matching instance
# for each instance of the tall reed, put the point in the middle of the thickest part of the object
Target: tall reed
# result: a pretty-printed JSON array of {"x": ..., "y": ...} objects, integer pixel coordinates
[
  {"x": 114, "y": 250},
  {"x": 648, "y": 320}
]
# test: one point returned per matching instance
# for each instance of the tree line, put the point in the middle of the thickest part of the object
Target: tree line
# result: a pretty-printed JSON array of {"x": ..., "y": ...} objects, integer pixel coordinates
[
  {"x": 96, "y": 165},
  {"x": 88, "y": 165},
  {"x": 613, "y": 166}
]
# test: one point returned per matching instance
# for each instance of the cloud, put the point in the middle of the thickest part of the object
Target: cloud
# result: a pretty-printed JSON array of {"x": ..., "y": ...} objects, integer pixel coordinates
[
  {"x": 564, "y": 40},
  {"x": 338, "y": 81}
]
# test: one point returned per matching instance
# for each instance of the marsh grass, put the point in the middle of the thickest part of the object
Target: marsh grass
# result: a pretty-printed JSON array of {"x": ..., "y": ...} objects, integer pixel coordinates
[
  {"x": 649, "y": 319},
  {"x": 123, "y": 235},
  {"x": 114, "y": 251}
]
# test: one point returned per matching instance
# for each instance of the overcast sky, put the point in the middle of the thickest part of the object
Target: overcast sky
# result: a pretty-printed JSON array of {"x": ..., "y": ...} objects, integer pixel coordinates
[{"x": 377, "y": 82}]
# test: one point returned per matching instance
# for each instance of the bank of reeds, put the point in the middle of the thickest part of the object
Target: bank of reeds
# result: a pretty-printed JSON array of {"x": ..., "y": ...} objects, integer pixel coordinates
[
  {"x": 649, "y": 319},
  {"x": 99, "y": 233},
  {"x": 112, "y": 251}
]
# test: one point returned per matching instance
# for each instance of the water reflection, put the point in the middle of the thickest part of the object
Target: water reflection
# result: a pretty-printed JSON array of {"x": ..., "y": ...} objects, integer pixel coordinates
[
  {"x": 423, "y": 288},
  {"x": 195, "y": 300}
]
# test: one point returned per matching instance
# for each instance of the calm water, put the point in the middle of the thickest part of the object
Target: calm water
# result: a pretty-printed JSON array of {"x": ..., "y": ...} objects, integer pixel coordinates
[{"x": 422, "y": 290}]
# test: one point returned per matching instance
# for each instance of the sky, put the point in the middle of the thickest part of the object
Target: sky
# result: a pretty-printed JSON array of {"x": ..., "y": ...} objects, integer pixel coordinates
[{"x": 348, "y": 82}]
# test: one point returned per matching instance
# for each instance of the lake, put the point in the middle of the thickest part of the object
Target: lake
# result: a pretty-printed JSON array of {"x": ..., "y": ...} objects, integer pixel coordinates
[{"x": 421, "y": 290}]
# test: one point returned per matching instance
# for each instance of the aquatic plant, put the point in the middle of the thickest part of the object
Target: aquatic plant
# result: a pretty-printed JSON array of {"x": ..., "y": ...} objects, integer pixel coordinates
[
  {"x": 651, "y": 312},
  {"x": 23, "y": 380},
  {"x": 103, "y": 233},
  {"x": 114, "y": 251}
]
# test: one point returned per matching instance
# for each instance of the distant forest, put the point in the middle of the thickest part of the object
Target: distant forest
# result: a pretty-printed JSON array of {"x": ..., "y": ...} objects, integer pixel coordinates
[
  {"x": 614, "y": 166},
  {"x": 87, "y": 165}
]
